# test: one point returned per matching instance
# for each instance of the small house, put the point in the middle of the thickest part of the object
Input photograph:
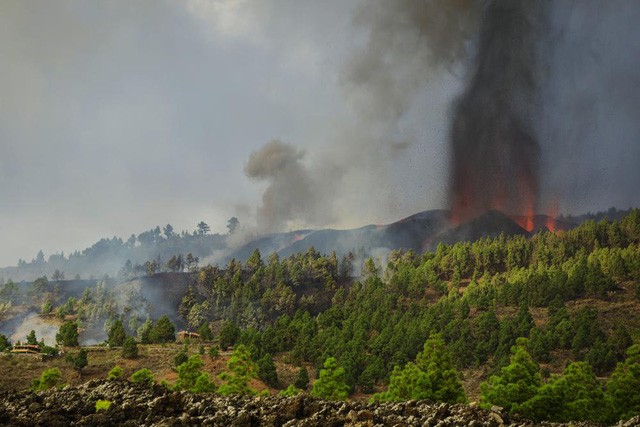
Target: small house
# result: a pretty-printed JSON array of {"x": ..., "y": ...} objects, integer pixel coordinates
[
  {"x": 183, "y": 335},
  {"x": 26, "y": 348}
]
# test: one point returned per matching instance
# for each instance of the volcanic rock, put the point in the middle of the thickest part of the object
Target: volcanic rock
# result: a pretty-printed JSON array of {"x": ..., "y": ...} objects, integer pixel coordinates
[{"x": 136, "y": 405}]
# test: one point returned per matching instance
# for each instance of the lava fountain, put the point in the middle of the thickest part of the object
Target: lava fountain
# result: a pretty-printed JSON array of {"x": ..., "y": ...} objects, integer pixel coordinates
[{"x": 494, "y": 147}]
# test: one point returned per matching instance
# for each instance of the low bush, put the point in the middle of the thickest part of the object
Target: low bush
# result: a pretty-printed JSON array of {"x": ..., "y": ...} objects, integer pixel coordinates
[
  {"x": 115, "y": 373},
  {"x": 102, "y": 405},
  {"x": 49, "y": 378},
  {"x": 143, "y": 376}
]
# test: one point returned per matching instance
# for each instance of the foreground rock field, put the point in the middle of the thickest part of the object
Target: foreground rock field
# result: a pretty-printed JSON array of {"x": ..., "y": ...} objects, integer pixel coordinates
[{"x": 135, "y": 405}]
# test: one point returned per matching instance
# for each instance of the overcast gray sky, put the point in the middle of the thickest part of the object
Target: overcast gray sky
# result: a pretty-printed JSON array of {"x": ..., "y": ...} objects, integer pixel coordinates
[{"x": 117, "y": 116}]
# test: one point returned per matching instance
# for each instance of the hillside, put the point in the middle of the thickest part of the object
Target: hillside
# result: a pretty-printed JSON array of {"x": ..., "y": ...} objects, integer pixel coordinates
[{"x": 561, "y": 302}]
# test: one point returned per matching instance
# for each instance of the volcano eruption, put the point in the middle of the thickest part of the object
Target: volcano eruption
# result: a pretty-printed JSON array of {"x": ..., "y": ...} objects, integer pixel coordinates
[{"x": 494, "y": 146}]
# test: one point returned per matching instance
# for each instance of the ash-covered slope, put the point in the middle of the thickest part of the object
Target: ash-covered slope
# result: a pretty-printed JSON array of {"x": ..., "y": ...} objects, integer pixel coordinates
[
  {"x": 490, "y": 224},
  {"x": 409, "y": 233},
  {"x": 419, "y": 232}
]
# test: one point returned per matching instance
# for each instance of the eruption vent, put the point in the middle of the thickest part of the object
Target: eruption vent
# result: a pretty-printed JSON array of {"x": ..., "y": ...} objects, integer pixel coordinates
[{"x": 495, "y": 152}]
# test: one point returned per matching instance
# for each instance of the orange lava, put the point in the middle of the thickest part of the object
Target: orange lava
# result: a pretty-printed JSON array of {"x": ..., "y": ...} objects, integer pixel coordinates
[{"x": 552, "y": 214}]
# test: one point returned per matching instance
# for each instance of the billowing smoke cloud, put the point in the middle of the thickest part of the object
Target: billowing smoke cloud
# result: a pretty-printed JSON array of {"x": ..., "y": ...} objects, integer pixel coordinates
[
  {"x": 290, "y": 196},
  {"x": 408, "y": 42},
  {"x": 404, "y": 54},
  {"x": 495, "y": 150}
]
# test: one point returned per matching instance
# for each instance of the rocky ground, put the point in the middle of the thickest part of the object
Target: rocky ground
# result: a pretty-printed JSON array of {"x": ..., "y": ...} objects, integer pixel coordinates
[{"x": 135, "y": 405}]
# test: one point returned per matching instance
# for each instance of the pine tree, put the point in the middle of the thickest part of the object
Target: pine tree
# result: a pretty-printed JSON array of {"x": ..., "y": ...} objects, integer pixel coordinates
[
  {"x": 163, "y": 331},
  {"x": 408, "y": 383},
  {"x": 432, "y": 377},
  {"x": 79, "y": 360},
  {"x": 4, "y": 343},
  {"x": 575, "y": 395},
  {"x": 145, "y": 332},
  {"x": 68, "y": 334},
  {"x": 241, "y": 370},
  {"x": 623, "y": 386},
  {"x": 518, "y": 382},
  {"x": 267, "y": 370},
  {"x": 331, "y": 383},
  {"x": 116, "y": 335},
  {"x": 229, "y": 334},
  {"x": 205, "y": 332},
  {"x": 129, "y": 348},
  {"x": 302, "y": 380},
  {"x": 31, "y": 338}
]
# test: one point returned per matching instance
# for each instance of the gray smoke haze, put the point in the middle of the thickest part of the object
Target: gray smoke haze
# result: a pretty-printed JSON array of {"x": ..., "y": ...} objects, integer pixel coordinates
[
  {"x": 408, "y": 43},
  {"x": 33, "y": 322},
  {"x": 118, "y": 116},
  {"x": 590, "y": 100}
]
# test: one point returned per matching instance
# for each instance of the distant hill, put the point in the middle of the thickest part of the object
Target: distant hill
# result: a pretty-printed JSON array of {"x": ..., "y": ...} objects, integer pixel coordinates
[
  {"x": 151, "y": 250},
  {"x": 419, "y": 232}
]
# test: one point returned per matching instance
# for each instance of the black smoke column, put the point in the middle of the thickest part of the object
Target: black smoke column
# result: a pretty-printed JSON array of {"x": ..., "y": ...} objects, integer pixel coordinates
[{"x": 495, "y": 153}]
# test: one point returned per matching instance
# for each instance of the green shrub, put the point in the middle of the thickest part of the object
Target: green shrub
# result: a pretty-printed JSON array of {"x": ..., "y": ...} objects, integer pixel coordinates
[
  {"x": 204, "y": 384},
  {"x": 48, "y": 379},
  {"x": 144, "y": 376},
  {"x": 290, "y": 391},
  {"x": 102, "y": 405},
  {"x": 115, "y": 373},
  {"x": 47, "y": 350},
  {"x": 191, "y": 377}
]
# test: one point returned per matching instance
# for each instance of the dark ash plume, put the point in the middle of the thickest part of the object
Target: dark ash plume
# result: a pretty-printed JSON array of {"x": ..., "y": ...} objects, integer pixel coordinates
[{"x": 494, "y": 146}]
